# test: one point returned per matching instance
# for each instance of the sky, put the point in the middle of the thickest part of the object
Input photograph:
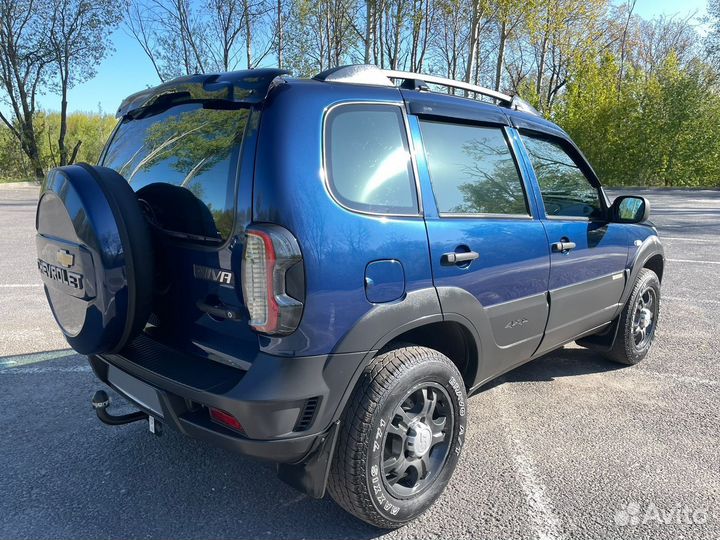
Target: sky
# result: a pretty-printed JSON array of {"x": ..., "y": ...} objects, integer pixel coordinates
[{"x": 128, "y": 70}]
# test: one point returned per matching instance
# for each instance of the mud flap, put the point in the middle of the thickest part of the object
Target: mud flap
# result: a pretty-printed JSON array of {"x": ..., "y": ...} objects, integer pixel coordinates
[
  {"x": 311, "y": 476},
  {"x": 604, "y": 340}
]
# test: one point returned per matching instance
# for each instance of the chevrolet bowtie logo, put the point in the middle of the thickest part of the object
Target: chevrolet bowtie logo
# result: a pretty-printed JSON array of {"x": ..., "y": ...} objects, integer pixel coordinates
[{"x": 65, "y": 258}]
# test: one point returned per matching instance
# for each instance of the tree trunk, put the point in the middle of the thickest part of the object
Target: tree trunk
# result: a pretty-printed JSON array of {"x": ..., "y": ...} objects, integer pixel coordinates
[
  {"x": 541, "y": 60},
  {"x": 473, "y": 43},
  {"x": 248, "y": 34},
  {"x": 426, "y": 37},
  {"x": 29, "y": 145},
  {"x": 623, "y": 43},
  {"x": 501, "y": 55},
  {"x": 280, "y": 34},
  {"x": 382, "y": 38},
  {"x": 368, "y": 30},
  {"x": 74, "y": 154},
  {"x": 398, "y": 33},
  {"x": 62, "y": 150}
]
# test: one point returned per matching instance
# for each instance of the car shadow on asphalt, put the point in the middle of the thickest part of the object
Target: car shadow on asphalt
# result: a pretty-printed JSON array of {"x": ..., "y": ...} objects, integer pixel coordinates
[{"x": 566, "y": 362}]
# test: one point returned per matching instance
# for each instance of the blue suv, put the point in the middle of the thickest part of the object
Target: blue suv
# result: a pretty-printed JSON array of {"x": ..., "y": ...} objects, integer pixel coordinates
[{"x": 318, "y": 272}]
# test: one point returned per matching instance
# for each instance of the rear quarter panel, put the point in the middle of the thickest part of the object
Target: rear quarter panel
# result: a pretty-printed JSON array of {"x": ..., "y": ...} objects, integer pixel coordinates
[{"x": 337, "y": 244}]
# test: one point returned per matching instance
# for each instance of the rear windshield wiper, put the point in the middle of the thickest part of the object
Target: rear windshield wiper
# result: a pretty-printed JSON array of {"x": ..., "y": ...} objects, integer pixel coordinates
[{"x": 190, "y": 236}]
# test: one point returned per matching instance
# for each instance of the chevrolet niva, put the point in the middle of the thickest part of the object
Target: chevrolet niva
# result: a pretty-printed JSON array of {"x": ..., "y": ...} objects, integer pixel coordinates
[{"x": 318, "y": 272}]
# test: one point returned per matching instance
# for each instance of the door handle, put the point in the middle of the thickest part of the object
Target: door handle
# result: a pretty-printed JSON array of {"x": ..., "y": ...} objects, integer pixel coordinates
[
  {"x": 459, "y": 258},
  {"x": 563, "y": 246},
  {"x": 220, "y": 311}
]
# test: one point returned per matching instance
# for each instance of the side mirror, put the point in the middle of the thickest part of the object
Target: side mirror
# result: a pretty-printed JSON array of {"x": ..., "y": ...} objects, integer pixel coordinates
[{"x": 630, "y": 209}]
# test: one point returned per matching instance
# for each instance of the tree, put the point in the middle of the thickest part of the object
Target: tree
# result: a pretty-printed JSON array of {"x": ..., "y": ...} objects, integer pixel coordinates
[
  {"x": 509, "y": 14},
  {"x": 323, "y": 34},
  {"x": 477, "y": 23},
  {"x": 24, "y": 57},
  {"x": 450, "y": 39},
  {"x": 169, "y": 33},
  {"x": 77, "y": 43},
  {"x": 91, "y": 128},
  {"x": 181, "y": 37},
  {"x": 712, "y": 40}
]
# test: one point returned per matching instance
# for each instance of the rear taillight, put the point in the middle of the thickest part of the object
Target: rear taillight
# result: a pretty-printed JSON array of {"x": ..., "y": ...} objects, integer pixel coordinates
[{"x": 270, "y": 253}]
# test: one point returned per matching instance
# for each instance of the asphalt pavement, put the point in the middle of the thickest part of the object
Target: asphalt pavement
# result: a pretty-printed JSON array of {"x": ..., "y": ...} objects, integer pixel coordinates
[{"x": 567, "y": 446}]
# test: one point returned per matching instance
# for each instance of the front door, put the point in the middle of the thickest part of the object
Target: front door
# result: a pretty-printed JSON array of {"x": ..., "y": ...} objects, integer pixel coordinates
[
  {"x": 490, "y": 257},
  {"x": 588, "y": 253}
]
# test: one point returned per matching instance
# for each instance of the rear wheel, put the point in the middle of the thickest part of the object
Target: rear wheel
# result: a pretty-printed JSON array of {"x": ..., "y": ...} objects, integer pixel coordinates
[
  {"x": 638, "y": 320},
  {"x": 401, "y": 437}
]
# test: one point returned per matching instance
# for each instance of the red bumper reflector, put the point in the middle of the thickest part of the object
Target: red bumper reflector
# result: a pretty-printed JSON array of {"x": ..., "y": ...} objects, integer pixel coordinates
[{"x": 225, "y": 418}]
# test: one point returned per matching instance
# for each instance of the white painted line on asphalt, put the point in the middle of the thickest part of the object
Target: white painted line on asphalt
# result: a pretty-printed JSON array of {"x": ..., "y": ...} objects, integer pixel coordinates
[
  {"x": 19, "y": 285},
  {"x": 33, "y": 358},
  {"x": 693, "y": 261},
  {"x": 544, "y": 522},
  {"x": 43, "y": 369}
]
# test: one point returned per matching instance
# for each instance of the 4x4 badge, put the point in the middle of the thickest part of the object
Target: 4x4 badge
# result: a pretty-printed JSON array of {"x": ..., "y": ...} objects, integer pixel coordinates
[
  {"x": 65, "y": 258},
  {"x": 516, "y": 323}
]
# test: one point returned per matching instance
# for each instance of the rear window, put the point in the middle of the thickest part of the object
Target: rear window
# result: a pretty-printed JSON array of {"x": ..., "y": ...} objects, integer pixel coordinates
[
  {"x": 368, "y": 159},
  {"x": 183, "y": 163}
]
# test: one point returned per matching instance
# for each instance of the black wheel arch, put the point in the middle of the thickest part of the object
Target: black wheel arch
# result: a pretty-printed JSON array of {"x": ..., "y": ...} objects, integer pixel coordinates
[
  {"x": 418, "y": 320},
  {"x": 650, "y": 254}
]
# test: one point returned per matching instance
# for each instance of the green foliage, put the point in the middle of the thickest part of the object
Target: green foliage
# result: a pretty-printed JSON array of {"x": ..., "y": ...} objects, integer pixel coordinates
[
  {"x": 641, "y": 98},
  {"x": 91, "y": 129},
  {"x": 653, "y": 129}
]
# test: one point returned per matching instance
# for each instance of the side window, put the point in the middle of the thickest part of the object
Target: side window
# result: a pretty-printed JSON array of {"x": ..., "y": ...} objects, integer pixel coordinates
[
  {"x": 565, "y": 189},
  {"x": 472, "y": 169},
  {"x": 368, "y": 159}
]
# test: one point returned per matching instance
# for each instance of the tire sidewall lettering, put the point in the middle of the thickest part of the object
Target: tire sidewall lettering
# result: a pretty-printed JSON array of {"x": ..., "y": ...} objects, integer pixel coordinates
[{"x": 390, "y": 507}]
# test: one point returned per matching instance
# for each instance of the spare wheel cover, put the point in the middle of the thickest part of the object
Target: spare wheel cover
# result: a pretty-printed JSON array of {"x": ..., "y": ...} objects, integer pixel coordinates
[{"x": 95, "y": 257}]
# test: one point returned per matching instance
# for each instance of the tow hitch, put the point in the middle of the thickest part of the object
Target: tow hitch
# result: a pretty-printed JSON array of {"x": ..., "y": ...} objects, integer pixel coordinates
[{"x": 101, "y": 401}]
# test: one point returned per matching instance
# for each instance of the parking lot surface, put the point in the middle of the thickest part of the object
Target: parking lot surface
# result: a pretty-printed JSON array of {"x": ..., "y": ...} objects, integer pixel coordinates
[{"x": 567, "y": 446}]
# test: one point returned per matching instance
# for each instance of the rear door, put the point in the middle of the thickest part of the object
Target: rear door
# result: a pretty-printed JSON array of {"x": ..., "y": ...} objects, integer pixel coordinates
[
  {"x": 489, "y": 252},
  {"x": 588, "y": 253},
  {"x": 184, "y": 163}
]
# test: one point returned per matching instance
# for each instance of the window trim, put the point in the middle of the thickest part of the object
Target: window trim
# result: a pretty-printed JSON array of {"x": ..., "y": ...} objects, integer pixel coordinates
[
  {"x": 521, "y": 176},
  {"x": 488, "y": 215},
  {"x": 411, "y": 150},
  {"x": 580, "y": 162}
]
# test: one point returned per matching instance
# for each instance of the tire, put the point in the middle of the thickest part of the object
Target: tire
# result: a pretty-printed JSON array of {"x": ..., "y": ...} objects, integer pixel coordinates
[
  {"x": 395, "y": 392},
  {"x": 638, "y": 320}
]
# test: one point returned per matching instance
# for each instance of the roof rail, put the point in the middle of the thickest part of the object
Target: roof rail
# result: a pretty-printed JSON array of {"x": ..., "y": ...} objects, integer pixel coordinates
[{"x": 370, "y": 74}]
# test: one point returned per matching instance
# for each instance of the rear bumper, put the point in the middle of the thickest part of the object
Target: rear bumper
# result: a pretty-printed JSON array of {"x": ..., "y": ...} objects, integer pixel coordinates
[{"x": 270, "y": 399}]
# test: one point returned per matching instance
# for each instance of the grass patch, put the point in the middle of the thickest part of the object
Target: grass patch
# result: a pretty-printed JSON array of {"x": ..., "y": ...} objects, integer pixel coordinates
[{"x": 15, "y": 180}]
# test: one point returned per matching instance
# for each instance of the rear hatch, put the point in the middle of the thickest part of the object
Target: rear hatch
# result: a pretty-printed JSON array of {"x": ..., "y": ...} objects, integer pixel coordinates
[{"x": 186, "y": 148}]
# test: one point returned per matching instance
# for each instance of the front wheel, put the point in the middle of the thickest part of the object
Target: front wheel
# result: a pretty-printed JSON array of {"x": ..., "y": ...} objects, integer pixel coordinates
[
  {"x": 638, "y": 320},
  {"x": 401, "y": 436}
]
